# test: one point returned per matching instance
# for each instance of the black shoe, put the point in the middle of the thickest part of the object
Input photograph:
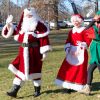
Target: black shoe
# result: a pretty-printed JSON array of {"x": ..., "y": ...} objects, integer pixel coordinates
[
  {"x": 14, "y": 90},
  {"x": 68, "y": 91},
  {"x": 37, "y": 91},
  {"x": 12, "y": 94},
  {"x": 36, "y": 94}
]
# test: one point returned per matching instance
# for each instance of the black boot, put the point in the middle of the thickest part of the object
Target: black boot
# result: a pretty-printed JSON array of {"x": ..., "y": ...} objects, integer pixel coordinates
[
  {"x": 37, "y": 91},
  {"x": 68, "y": 91},
  {"x": 14, "y": 90}
]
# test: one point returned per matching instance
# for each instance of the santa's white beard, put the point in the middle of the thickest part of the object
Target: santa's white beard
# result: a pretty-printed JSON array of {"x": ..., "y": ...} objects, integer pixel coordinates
[{"x": 29, "y": 24}]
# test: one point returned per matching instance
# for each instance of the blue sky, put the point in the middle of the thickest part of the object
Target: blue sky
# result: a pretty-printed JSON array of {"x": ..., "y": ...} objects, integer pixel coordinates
[
  {"x": 15, "y": 1},
  {"x": 20, "y": 2}
]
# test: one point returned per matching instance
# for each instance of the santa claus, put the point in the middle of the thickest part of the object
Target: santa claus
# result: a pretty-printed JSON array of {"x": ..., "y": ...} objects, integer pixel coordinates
[{"x": 32, "y": 34}]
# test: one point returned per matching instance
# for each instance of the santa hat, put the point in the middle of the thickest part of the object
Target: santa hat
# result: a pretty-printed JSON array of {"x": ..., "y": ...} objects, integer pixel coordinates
[
  {"x": 27, "y": 11},
  {"x": 31, "y": 11},
  {"x": 76, "y": 17}
]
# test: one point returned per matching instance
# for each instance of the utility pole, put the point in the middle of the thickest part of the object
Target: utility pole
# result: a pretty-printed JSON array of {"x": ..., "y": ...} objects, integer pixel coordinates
[
  {"x": 97, "y": 5},
  {"x": 52, "y": 4},
  {"x": 48, "y": 11},
  {"x": 55, "y": 4},
  {"x": 28, "y": 3},
  {"x": 73, "y": 6}
]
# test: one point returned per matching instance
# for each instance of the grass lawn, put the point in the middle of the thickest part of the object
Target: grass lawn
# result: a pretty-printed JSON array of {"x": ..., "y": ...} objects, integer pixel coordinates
[{"x": 9, "y": 50}]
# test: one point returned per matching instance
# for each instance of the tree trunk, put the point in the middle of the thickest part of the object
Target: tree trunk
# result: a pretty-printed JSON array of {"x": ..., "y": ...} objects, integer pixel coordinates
[{"x": 56, "y": 14}]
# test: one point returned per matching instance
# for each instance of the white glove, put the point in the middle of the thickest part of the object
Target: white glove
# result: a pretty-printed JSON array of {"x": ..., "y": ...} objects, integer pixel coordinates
[
  {"x": 44, "y": 56},
  {"x": 9, "y": 19}
]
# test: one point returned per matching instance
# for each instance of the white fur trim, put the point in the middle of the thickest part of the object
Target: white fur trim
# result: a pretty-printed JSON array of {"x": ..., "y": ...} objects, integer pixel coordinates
[
  {"x": 35, "y": 76},
  {"x": 26, "y": 57},
  {"x": 78, "y": 30},
  {"x": 37, "y": 83},
  {"x": 10, "y": 31},
  {"x": 18, "y": 81},
  {"x": 44, "y": 49},
  {"x": 26, "y": 62},
  {"x": 40, "y": 35},
  {"x": 29, "y": 11},
  {"x": 25, "y": 40},
  {"x": 16, "y": 37},
  {"x": 16, "y": 72},
  {"x": 43, "y": 34},
  {"x": 69, "y": 85},
  {"x": 21, "y": 75}
]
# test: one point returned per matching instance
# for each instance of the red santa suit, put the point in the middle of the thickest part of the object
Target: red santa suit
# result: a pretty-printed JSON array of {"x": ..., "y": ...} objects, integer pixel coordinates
[
  {"x": 33, "y": 44},
  {"x": 73, "y": 71}
]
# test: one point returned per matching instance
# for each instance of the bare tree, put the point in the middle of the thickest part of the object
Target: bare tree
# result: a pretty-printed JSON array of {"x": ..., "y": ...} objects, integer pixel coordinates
[
  {"x": 3, "y": 9},
  {"x": 7, "y": 7},
  {"x": 49, "y": 10}
]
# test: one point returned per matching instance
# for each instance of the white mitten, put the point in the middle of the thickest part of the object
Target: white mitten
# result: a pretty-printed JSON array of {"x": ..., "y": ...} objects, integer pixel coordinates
[
  {"x": 44, "y": 56},
  {"x": 9, "y": 19}
]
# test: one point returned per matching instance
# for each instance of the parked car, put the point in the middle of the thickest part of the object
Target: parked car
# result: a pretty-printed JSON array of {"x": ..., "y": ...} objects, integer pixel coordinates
[
  {"x": 61, "y": 24},
  {"x": 69, "y": 24},
  {"x": 15, "y": 24},
  {"x": 52, "y": 25},
  {"x": 1, "y": 26}
]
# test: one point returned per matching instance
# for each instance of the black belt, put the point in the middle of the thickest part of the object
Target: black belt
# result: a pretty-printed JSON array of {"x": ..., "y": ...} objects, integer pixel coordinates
[{"x": 34, "y": 44}]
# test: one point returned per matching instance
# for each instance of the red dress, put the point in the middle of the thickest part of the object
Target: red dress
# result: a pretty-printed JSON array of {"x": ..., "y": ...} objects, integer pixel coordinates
[
  {"x": 73, "y": 71},
  {"x": 28, "y": 65}
]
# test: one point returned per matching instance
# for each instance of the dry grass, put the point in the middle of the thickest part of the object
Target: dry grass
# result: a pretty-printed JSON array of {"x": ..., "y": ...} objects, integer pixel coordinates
[{"x": 8, "y": 51}]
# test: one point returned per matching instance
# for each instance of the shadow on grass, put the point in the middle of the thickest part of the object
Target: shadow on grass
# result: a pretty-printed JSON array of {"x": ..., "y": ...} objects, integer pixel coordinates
[
  {"x": 63, "y": 91},
  {"x": 95, "y": 87}
]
